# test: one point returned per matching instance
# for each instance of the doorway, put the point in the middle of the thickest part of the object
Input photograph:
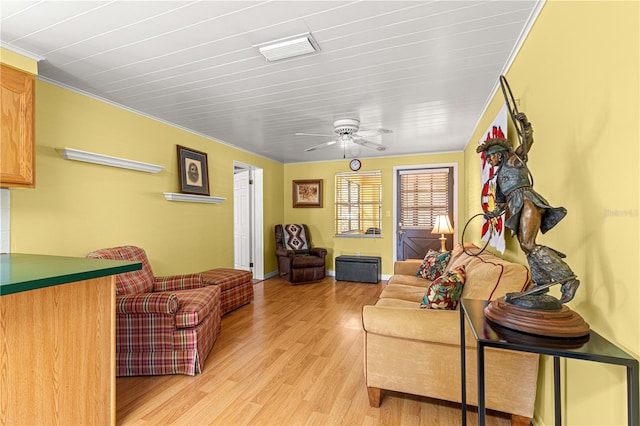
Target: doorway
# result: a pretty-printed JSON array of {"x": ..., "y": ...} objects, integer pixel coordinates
[
  {"x": 248, "y": 244},
  {"x": 413, "y": 215}
]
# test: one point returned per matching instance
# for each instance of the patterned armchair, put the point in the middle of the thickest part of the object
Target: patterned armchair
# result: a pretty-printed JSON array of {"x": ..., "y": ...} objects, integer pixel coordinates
[
  {"x": 164, "y": 325},
  {"x": 298, "y": 261}
]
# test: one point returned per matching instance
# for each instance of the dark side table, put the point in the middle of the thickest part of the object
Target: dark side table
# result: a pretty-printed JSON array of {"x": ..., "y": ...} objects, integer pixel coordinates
[{"x": 594, "y": 348}]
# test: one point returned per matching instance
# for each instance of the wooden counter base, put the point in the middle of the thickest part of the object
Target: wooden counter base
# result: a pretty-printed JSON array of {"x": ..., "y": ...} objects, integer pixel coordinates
[{"x": 57, "y": 354}]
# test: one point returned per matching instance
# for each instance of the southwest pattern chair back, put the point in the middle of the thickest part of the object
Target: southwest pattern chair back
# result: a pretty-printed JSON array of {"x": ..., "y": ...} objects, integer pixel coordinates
[{"x": 295, "y": 238}]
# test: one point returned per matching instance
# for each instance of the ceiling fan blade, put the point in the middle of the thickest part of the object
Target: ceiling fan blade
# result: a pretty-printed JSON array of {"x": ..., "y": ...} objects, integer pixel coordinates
[
  {"x": 322, "y": 145},
  {"x": 312, "y": 134},
  {"x": 373, "y": 132},
  {"x": 369, "y": 144}
]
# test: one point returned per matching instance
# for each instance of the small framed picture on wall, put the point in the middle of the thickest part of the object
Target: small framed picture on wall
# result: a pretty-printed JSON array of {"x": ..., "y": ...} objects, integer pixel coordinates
[
  {"x": 307, "y": 193},
  {"x": 193, "y": 170}
]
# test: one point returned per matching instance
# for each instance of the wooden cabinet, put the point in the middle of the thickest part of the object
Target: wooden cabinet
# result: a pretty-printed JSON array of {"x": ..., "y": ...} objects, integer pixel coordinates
[{"x": 17, "y": 141}]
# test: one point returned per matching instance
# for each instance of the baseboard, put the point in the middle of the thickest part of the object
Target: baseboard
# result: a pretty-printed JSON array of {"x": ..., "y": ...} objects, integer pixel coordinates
[
  {"x": 330, "y": 273},
  {"x": 271, "y": 274}
]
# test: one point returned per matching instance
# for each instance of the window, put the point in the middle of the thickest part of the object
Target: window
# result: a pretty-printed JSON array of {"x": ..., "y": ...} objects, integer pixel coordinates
[
  {"x": 424, "y": 194},
  {"x": 358, "y": 203}
]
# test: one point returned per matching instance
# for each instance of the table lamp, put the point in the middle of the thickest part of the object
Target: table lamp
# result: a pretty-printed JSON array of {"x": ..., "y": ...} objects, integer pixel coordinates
[{"x": 442, "y": 226}]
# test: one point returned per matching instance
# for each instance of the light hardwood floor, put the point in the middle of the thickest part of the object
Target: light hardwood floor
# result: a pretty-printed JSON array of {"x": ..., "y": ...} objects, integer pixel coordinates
[{"x": 292, "y": 357}]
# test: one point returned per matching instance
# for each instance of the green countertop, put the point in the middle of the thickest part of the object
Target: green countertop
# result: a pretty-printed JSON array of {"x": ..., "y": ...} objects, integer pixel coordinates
[{"x": 24, "y": 272}]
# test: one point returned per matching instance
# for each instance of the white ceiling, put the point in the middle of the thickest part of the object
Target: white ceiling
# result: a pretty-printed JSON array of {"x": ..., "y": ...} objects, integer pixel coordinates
[{"x": 424, "y": 69}]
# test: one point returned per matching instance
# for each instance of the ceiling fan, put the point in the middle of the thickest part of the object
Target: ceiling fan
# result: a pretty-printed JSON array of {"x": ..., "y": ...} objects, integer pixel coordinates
[{"x": 346, "y": 130}]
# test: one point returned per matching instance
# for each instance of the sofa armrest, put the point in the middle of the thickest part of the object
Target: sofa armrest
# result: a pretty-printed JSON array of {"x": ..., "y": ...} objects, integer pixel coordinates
[
  {"x": 431, "y": 325},
  {"x": 178, "y": 282},
  {"x": 318, "y": 251},
  {"x": 147, "y": 303},
  {"x": 407, "y": 267}
]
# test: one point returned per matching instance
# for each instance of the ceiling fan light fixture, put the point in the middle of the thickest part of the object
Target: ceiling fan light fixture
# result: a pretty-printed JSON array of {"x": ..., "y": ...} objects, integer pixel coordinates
[{"x": 289, "y": 47}]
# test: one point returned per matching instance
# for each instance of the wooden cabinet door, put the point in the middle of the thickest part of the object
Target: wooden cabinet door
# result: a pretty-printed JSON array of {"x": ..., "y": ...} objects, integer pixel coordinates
[{"x": 17, "y": 143}]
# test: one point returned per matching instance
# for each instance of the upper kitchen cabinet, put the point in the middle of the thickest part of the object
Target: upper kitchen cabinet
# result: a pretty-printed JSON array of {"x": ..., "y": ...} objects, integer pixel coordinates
[{"x": 17, "y": 143}]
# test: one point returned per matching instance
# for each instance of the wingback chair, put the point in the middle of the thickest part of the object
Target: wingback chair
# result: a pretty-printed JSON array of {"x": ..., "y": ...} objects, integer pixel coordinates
[
  {"x": 164, "y": 325},
  {"x": 298, "y": 260}
]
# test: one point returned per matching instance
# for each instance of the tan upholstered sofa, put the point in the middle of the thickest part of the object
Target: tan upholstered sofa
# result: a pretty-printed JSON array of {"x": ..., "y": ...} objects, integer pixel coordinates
[{"x": 417, "y": 351}]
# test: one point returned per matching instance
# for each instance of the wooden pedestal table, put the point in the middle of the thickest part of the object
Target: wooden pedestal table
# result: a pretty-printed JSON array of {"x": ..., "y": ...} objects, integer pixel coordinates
[{"x": 57, "y": 339}]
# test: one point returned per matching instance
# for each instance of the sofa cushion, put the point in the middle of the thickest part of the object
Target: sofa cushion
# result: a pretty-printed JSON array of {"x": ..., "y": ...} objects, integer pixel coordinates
[
  {"x": 420, "y": 325},
  {"x": 410, "y": 293},
  {"x": 444, "y": 292},
  {"x": 433, "y": 264},
  {"x": 489, "y": 277},
  {"x": 226, "y": 278},
  {"x": 307, "y": 261},
  {"x": 196, "y": 305},
  {"x": 459, "y": 257},
  {"x": 406, "y": 267},
  {"x": 397, "y": 303},
  {"x": 408, "y": 280}
]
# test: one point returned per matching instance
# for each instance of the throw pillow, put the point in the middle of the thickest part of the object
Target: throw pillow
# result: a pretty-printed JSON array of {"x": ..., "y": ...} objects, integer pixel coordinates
[
  {"x": 295, "y": 238},
  {"x": 433, "y": 265},
  {"x": 444, "y": 292}
]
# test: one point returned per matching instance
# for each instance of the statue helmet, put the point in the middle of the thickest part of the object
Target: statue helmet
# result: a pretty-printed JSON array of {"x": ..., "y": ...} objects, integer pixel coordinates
[{"x": 492, "y": 146}]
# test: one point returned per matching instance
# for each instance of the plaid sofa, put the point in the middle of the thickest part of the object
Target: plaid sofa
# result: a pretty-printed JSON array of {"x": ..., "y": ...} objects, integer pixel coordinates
[{"x": 164, "y": 325}]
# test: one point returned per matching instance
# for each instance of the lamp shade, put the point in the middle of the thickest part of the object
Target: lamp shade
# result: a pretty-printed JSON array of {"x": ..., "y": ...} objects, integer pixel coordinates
[{"x": 442, "y": 225}]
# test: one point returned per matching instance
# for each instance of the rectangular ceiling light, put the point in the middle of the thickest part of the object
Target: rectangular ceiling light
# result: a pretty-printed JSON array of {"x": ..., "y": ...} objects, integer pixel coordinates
[{"x": 289, "y": 47}]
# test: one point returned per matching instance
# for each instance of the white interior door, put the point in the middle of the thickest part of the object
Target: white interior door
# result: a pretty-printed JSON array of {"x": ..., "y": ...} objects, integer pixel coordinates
[{"x": 242, "y": 220}]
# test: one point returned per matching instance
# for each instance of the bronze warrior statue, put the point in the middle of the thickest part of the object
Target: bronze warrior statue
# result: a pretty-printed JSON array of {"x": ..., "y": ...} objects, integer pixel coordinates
[{"x": 526, "y": 213}]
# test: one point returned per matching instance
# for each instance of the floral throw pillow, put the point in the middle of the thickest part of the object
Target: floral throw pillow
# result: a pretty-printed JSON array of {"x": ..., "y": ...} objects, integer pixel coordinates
[
  {"x": 444, "y": 292},
  {"x": 433, "y": 265}
]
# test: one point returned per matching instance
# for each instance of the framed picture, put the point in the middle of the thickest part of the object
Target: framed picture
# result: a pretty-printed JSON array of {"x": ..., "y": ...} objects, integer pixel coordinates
[
  {"x": 194, "y": 171},
  {"x": 307, "y": 193}
]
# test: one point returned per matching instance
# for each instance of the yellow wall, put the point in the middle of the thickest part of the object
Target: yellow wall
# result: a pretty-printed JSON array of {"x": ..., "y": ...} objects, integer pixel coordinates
[
  {"x": 79, "y": 207},
  {"x": 321, "y": 220},
  {"x": 577, "y": 79},
  {"x": 18, "y": 61}
]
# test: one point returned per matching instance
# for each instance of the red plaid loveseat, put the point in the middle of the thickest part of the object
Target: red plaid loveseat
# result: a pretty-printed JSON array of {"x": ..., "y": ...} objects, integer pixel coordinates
[{"x": 164, "y": 325}]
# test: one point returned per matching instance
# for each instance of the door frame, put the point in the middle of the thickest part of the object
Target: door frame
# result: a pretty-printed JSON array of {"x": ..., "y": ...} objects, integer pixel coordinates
[
  {"x": 396, "y": 169},
  {"x": 256, "y": 216}
]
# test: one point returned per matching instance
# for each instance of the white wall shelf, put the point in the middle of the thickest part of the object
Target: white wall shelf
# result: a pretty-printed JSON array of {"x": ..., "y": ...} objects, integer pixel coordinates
[
  {"x": 191, "y": 198},
  {"x": 107, "y": 160}
]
